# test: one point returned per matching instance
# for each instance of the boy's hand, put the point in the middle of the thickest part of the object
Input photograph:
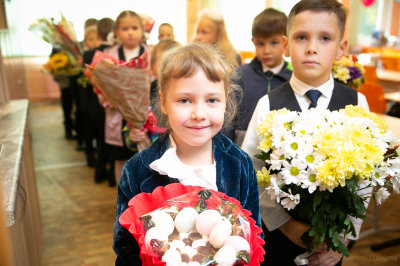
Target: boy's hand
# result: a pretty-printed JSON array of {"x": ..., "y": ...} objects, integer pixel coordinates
[
  {"x": 136, "y": 135},
  {"x": 323, "y": 258}
]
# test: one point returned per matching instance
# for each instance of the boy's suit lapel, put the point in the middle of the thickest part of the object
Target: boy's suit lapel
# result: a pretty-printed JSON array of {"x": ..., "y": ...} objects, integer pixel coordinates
[
  {"x": 282, "y": 97},
  {"x": 228, "y": 167}
]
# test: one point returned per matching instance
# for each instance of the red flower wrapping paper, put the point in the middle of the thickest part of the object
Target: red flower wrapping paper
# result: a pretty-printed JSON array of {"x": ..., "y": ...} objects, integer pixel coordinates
[{"x": 145, "y": 203}]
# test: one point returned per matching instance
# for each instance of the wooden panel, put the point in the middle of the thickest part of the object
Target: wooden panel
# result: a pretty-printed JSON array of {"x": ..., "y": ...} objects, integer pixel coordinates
[
  {"x": 192, "y": 8},
  {"x": 41, "y": 87},
  {"x": 394, "y": 28}
]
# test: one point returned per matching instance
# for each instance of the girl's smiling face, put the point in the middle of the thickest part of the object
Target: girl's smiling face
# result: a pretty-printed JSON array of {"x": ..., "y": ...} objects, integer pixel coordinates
[{"x": 195, "y": 107}]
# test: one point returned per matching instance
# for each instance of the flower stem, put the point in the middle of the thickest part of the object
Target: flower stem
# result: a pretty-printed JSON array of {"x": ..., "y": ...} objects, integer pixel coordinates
[{"x": 390, "y": 155}]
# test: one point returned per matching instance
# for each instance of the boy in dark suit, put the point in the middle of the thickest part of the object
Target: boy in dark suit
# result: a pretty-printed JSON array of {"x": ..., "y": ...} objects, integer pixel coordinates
[
  {"x": 267, "y": 71},
  {"x": 95, "y": 116},
  {"x": 314, "y": 40}
]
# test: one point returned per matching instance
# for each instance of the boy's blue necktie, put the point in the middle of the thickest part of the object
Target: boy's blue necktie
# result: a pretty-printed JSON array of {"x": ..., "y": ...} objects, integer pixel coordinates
[{"x": 313, "y": 95}]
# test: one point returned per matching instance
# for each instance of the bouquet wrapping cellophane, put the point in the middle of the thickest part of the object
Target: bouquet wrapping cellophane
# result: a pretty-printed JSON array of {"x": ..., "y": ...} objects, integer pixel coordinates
[
  {"x": 127, "y": 88},
  {"x": 146, "y": 210},
  {"x": 323, "y": 165}
]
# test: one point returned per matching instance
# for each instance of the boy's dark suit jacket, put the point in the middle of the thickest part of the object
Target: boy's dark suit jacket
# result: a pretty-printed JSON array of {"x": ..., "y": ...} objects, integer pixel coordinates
[{"x": 90, "y": 103}]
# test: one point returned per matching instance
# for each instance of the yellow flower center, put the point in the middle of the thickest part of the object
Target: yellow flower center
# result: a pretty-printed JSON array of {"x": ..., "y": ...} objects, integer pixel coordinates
[
  {"x": 282, "y": 157},
  {"x": 282, "y": 139},
  {"x": 294, "y": 171},
  {"x": 294, "y": 146},
  {"x": 303, "y": 132},
  {"x": 376, "y": 175},
  {"x": 312, "y": 178},
  {"x": 310, "y": 158}
]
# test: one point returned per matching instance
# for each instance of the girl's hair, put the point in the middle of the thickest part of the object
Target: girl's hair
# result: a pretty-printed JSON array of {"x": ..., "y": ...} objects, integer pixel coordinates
[
  {"x": 184, "y": 62},
  {"x": 90, "y": 29},
  {"x": 128, "y": 13},
  {"x": 223, "y": 42}
]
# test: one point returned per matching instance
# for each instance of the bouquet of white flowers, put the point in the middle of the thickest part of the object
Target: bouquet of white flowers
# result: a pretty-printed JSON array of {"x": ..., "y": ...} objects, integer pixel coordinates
[{"x": 320, "y": 164}]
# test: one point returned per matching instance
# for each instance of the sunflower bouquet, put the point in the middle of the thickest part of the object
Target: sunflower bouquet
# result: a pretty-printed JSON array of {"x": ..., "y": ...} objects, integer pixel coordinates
[
  {"x": 60, "y": 64},
  {"x": 322, "y": 165},
  {"x": 349, "y": 72}
]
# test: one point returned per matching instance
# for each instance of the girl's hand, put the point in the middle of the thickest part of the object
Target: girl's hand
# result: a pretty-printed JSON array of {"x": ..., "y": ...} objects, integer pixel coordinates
[
  {"x": 101, "y": 99},
  {"x": 136, "y": 135}
]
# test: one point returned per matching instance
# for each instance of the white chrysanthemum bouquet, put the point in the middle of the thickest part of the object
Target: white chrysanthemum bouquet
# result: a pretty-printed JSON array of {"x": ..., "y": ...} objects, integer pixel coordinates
[{"x": 321, "y": 164}]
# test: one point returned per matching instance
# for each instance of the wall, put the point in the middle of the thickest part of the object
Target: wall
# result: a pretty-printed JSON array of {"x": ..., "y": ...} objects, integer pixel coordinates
[
  {"x": 11, "y": 49},
  {"x": 394, "y": 27}
]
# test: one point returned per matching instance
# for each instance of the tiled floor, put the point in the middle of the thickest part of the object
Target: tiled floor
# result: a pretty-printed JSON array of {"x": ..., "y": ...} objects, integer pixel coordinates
[{"x": 77, "y": 214}]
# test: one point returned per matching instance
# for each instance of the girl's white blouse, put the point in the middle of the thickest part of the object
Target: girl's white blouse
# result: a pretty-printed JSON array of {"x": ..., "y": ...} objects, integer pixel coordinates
[{"x": 170, "y": 164}]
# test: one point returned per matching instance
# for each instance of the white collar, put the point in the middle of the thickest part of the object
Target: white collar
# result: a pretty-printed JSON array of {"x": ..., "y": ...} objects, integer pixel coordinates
[
  {"x": 274, "y": 70},
  {"x": 300, "y": 88},
  {"x": 170, "y": 164}
]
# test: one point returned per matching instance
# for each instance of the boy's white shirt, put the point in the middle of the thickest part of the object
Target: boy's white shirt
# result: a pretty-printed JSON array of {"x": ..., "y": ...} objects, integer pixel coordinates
[
  {"x": 276, "y": 69},
  {"x": 276, "y": 214}
]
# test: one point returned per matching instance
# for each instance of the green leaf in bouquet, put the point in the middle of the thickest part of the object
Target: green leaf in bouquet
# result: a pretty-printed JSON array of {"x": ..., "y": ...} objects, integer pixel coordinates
[
  {"x": 333, "y": 213},
  {"x": 263, "y": 156},
  {"x": 336, "y": 239},
  {"x": 359, "y": 205},
  {"x": 342, "y": 249},
  {"x": 317, "y": 198},
  {"x": 347, "y": 221},
  {"x": 331, "y": 231},
  {"x": 351, "y": 183}
]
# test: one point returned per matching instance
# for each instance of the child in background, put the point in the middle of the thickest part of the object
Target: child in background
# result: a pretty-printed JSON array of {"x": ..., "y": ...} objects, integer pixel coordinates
[
  {"x": 92, "y": 39},
  {"x": 315, "y": 30},
  {"x": 267, "y": 71},
  {"x": 211, "y": 29},
  {"x": 156, "y": 52},
  {"x": 88, "y": 23},
  {"x": 133, "y": 135},
  {"x": 129, "y": 30},
  {"x": 165, "y": 31},
  {"x": 94, "y": 115},
  {"x": 196, "y": 96}
]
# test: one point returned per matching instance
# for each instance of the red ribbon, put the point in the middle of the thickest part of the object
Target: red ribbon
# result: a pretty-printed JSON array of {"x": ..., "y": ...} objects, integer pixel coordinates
[{"x": 151, "y": 124}]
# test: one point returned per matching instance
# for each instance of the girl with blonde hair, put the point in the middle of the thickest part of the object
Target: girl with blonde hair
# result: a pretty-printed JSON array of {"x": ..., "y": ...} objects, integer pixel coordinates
[{"x": 210, "y": 29}]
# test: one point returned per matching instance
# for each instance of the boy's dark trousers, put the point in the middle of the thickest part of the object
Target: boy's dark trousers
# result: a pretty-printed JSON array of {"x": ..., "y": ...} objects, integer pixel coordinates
[{"x": 67, "y": 105}]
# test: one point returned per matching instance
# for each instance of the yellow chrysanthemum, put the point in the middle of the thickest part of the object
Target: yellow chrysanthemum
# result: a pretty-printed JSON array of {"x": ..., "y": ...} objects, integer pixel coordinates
[
  {"x": 382, "y": 124},
  {"x": 351, "y": 151},
  {"x": 346, "y": 62},
  {"x": 58, "y": 60},
  {"x": 357, "y": 111},
  {"x": 265, "y": 145},
  {"x": 342, "y": 74},
  {"x": 264, "y": 177},
  {"x": 362, "y": 69},
  {"x": 264, "y": 129},
  {"x": 327, "y": 175}
]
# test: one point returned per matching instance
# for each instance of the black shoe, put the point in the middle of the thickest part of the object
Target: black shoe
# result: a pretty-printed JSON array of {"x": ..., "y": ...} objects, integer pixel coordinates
[
  {"x": 80, "y": 147},
  {"x": 98, "y": 178},
  {"x": 91, "y": 161},
  {"x": 69, "y": 135},
  {"x": 111, "y": 183}
]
